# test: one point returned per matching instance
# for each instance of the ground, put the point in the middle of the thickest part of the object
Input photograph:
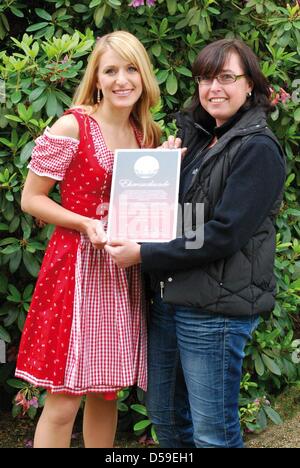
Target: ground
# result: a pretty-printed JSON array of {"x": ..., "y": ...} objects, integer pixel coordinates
[{"x": 18, "y": 433}]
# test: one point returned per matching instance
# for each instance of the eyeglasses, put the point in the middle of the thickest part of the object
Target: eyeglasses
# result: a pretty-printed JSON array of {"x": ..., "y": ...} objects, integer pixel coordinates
[{"x": 223, "y": 78}]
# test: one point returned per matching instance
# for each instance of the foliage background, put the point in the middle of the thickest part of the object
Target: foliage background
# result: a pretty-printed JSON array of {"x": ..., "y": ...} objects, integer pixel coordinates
[{"x": 44, "y": 48}]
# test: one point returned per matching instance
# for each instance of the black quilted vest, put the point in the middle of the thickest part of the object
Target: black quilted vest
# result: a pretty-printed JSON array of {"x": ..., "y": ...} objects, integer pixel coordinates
[{"x": 243, "y": 284}]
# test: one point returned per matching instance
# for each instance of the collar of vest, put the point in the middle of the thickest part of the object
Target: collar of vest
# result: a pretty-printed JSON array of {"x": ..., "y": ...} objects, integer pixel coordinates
[
  {"x": 250, "y": 122},
  {"x": 242, "y": 121}
]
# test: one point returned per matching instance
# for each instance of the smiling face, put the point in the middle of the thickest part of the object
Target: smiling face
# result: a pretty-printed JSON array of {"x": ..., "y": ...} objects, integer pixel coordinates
[
  {"x": 222, "y": 101},
  {"x": 119, "y": 81}
]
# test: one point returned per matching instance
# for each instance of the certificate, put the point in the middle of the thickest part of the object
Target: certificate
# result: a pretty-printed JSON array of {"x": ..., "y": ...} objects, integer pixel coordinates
[{"x": 144, "y": 195}]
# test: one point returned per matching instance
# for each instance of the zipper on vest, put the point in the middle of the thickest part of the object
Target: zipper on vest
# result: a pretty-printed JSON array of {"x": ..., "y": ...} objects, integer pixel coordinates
[{"x": 162, "y": 287}]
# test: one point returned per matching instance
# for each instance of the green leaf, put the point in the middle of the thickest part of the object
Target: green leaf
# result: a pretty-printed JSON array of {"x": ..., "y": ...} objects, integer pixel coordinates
[
  {"x": 261, "y": 419},
  {"x": 182, "y": 23},
  {"x": 37, "y": 26},
  {"x": 162, "y": 76},
  {"x": 122, "y": 406},
  {"x": 31, "y": 264},
  {"x": 11, "y": 318},
  {"x": 26, "y": 228},
  {"x": 11, "y": 249},
  {"x": 32, "y": 412},
  {"x": 15, "y": 261},
  {"x": 139, "y": 409},
  {"x": 26, "y": 151},
  {"x": 16, "y": 411},
  {"x": 297, "y": 115},
  {"x": 115, "y": 3},
  {"x": 9, "y": 211},
  {"x": 293, "y": 212},
  {"x": 3, "y": 283},
  {"x": 156, "y": 49},
  {"x": 80, "y": 8},
  {"x": 4, "y": 335},
  {"x": 16, "y": 97},
  {"x": 14, "y": 383},
  {"x": 39, "y": 103},
  {"x": 6, "y": 142},
  {"x": 172, "y": 7},
  {"x": 259, "y": 9},
  {"x": 295, "y": 285},
  {"x": 99, "y": 15},
  {"x": 172, "y": 84},
  {"x": 43, "y": 14},
  {"x": 259, "y": 365},
  {"x": 273, "y": 415},
  {"x": 21, "y": 320},
  {"x": 14, "y": 118},
  {"x": 95, "y": 3},
  {"x": 15, "y": 294},
  {"x": 213, "y": 10},
  {"x": 28, "y": 292},
  {"x": 17, "y": 12},
  {"x": 51, "y": 106},
  {"x": 24, "y": 113},
  {"x": 9, "y": 196},
  {"x": 271, "y": 365},
  {"x": 142, "y": 425},
  {"x": 184, "y": 71},
  {"x": 35, "y": 94},
  {"x": 8, "y": 240},
  {"x": 14, "y": 224},
  {"x": 63, "y": 98}
]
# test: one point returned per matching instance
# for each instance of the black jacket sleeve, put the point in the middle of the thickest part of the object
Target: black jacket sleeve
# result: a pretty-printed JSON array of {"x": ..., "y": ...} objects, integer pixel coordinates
[{"x": 256, "y": 180}]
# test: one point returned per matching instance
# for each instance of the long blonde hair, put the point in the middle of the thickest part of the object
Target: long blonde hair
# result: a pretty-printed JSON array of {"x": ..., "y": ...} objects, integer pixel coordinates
[{"x": 131, "y": 49}]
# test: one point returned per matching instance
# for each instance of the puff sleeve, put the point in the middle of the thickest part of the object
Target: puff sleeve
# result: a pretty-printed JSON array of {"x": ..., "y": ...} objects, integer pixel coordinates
[{"x": 52, "y": 155}]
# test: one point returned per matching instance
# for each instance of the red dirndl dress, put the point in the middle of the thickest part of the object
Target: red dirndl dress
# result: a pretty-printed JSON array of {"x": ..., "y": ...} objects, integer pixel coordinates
[{"x": 85, "y": 330}]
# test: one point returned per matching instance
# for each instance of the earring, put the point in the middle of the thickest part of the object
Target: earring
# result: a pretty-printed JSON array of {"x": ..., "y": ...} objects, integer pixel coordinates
[
  {"x": 98, "y": 95},
  {"x": 249, "y": 94}
]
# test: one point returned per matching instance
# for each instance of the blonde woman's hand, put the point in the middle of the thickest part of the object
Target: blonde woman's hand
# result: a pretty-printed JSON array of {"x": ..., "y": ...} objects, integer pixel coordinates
[
  {"x": 95, "y": 232},
  {"x": 174, "y": 143}
]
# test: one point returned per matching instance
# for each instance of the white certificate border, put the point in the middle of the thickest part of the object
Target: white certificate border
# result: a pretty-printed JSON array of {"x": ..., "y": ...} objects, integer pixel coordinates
[{"x": 112, "y": 191}]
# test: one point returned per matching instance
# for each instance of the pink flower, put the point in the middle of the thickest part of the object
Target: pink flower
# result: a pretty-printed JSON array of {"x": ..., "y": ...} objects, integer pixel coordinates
[
  {"x": 34, "y": 402},
  {"x": 21, "y": 401},
  {"x": 284, "y": 96},
  {"x": 275, "y": 100},
  {"x": 136, "y": 3},
  {"x": 29, "y": 443}
]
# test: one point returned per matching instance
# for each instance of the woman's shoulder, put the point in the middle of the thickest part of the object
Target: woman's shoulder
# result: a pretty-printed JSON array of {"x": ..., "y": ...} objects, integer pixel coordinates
[
  {"x": 266, "y": 141},
  {"x": 65, "y": 126},
  {"x": 261, "y": 150}
]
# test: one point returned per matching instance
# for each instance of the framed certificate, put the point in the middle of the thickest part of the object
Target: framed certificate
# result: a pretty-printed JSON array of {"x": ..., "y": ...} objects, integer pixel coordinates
[{"x": 144, "y": 195}]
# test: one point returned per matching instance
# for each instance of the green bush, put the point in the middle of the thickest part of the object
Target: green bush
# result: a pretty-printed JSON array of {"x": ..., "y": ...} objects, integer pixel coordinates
[{"x": 44, "y": 50}]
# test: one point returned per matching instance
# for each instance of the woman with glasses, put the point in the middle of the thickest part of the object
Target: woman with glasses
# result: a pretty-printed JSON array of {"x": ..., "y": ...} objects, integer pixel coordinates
[{"x": 207, "y": 298}]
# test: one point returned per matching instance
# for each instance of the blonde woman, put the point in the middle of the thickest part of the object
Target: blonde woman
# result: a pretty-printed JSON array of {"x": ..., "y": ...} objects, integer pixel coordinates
[{"x": 85, "y": 332}]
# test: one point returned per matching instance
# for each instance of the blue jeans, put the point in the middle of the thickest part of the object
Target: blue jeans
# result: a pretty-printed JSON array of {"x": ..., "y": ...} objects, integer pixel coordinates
[{"x": 195, "y": 368}]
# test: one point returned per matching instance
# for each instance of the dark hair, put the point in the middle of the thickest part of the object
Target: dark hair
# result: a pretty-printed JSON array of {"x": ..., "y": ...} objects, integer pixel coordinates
[{"x": 210, "y": 62}]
